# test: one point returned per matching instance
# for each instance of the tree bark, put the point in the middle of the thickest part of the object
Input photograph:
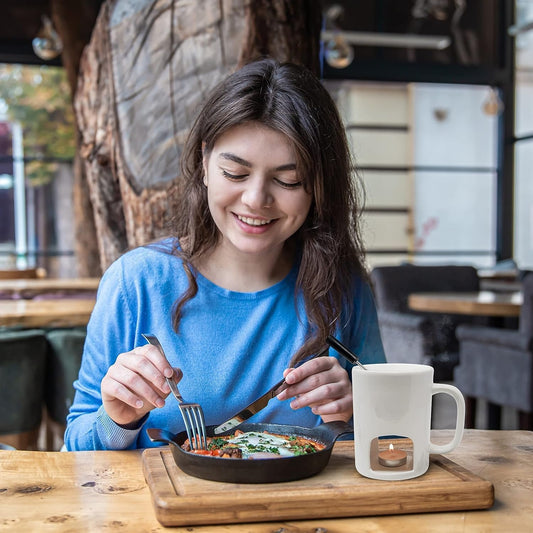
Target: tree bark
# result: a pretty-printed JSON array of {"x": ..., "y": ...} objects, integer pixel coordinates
[
  {"x": 288, "y": 30},
  {"x": 93, "y": 104},
  {"x": 74, "y": 22},
  {"x": 147, "y": 69}
]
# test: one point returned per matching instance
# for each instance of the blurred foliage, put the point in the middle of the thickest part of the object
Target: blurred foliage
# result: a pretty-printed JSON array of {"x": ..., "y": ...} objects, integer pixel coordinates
[{"x": 39, "y": 98}]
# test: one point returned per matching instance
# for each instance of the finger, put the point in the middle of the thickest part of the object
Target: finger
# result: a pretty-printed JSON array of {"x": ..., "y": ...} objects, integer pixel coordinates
[
  {"x": 137, "y": 385},
  {"x": 319, "y": 395},
  {"x": 157, "y": 358},
  {"x": 315, "y": 366},
  {"x": 341, "y": 405},
  {"x": 143, "y": 366},
  {"x": 313, "y": 375},
  {"x": 329, "y": 408},
  {"x": 114, "y": 390},
  {"x": 177, "y": 375}
]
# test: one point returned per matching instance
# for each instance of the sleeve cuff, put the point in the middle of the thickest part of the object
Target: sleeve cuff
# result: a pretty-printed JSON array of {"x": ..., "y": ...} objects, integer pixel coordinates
[{"x": 113, "y": 436}]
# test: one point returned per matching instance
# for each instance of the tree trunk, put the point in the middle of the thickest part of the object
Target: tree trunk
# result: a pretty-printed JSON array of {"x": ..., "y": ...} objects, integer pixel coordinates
[
  {"x": 93, "y": 104},
  {"x": 288, "y": 30},
  {"x": 74, "y": 22},
  {"x": 148, "y": 67}
]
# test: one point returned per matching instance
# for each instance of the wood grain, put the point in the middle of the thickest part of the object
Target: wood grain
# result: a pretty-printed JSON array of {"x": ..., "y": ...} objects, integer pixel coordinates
[
  {"x": 338, "y": 491},
  {"x": 106, "y": 491}
]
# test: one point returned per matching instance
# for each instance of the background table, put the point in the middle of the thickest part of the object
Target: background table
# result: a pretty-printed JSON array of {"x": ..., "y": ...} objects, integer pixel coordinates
[
  {"x": 106, "y": 491},
  {"x": 62, "y": 312},
  {"x": 29, "y": 288},
  {"x": 482, "y": 303}
]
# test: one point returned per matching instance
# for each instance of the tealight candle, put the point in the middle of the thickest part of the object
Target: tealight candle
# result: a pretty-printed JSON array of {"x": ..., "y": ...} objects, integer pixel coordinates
[{"x": 392, "y": 457}]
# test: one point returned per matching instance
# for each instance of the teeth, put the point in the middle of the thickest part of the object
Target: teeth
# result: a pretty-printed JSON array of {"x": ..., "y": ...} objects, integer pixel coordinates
[{"x": 253, "y": 221}]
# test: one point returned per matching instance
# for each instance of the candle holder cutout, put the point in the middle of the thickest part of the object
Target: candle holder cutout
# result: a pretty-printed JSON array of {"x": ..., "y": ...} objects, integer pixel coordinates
[{"x": 391, "y": 453}]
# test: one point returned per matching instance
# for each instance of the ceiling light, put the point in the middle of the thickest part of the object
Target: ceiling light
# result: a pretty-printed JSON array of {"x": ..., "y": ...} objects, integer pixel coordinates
[
  {"x": 338, "y": 53},
  {"x": 493, "y": 104},
  {"x": 47, "y": 44}
]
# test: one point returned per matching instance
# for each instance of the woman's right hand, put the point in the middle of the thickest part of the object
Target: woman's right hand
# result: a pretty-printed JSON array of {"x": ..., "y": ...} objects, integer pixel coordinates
[{"x": 135, "y": 384}]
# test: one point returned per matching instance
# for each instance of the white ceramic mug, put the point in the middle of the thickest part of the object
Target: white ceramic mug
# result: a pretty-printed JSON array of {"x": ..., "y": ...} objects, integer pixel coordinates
[{"x": 392, "y": 419}]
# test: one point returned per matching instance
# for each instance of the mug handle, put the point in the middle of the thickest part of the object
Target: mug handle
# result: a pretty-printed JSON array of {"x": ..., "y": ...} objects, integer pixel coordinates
[{"x": 455, "y": 393}]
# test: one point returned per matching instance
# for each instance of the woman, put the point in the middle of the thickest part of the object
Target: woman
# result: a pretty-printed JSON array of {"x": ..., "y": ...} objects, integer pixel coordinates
[{"x": 266, "y": 261}]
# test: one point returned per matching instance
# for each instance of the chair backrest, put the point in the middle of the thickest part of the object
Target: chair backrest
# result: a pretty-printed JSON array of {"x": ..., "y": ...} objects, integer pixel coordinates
[
  {"x": 22, "y": 375},
  {"x": 393, "y": 284},
  {"x": 63, "y": 365},
  {"x": 526, "y": 313}
]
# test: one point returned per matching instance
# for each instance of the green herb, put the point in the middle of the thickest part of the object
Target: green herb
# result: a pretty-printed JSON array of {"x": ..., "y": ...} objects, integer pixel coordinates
[{"x": 216, "y": 443}]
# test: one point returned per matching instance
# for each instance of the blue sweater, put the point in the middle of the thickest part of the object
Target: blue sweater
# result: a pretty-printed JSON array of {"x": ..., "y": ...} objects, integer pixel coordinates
[{"x": 231, "y": 346}]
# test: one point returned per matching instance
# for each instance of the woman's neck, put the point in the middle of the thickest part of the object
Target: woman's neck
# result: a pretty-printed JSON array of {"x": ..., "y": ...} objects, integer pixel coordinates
[{"x": 245, "y": 272}]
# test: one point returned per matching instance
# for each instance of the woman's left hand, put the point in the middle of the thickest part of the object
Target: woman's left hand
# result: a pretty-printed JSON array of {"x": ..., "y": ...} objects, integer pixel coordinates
[{"x": 321, "y": 384}]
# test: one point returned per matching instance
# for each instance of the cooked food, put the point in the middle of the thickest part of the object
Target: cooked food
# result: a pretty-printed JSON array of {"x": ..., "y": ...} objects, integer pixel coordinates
[{"x": 256, "y": 445}]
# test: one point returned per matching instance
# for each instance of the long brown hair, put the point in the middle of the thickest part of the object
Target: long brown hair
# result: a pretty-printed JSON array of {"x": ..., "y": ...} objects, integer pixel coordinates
[{"x": 290, "y": 99}]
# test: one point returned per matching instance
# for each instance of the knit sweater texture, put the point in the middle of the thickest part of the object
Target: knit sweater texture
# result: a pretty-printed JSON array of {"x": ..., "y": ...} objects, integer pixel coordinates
[{"x": 231, "y": 346}]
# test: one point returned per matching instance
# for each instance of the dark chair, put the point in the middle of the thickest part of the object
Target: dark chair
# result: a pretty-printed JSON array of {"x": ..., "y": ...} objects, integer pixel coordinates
[
  {"x": 497, "y": 365},
  {"x": 22, "y": 370},
  {"x": 415, "y": 337},
  {"x": 63, "y": 365}
]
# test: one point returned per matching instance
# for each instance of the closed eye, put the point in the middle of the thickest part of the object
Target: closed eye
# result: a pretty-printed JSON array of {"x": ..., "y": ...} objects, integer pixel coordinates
[
  {"x": 289, "y": 185},
  {"x": 284, "y": 184},
  {"x": 226, "y": 174}
]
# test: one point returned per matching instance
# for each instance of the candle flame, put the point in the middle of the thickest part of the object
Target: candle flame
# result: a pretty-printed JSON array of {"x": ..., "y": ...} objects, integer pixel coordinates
[{"x": 391, "y": 447}]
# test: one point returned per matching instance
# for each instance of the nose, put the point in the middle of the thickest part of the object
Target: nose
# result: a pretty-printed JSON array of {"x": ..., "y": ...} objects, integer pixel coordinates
[{"x": 257, "y": 194}]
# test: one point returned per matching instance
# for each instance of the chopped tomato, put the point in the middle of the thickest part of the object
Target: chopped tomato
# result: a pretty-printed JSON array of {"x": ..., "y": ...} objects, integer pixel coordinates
[{"x": 206, "y": 452}]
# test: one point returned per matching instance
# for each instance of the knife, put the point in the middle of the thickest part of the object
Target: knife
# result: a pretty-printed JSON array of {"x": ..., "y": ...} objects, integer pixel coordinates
[{"x": 262, "y": 401}]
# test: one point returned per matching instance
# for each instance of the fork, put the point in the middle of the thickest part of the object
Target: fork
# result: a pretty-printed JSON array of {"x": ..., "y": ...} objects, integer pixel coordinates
[{"x": 192, "y": 413}]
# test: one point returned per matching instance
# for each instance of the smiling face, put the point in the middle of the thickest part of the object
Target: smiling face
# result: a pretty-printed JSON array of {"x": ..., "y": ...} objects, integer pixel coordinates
[{"x": 255, "y": 195}]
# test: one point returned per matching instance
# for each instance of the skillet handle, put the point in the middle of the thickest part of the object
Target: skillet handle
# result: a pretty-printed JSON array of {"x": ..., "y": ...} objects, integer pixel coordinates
[{"x": 161, "y": 435}]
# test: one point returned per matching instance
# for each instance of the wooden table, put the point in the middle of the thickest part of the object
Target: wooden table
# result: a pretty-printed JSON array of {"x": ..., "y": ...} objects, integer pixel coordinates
[
  {"x": 63, "y": 312},
  {"x": 28, "y": 288},
  {"x": 482, "y": 303},
  {"x": 490, "y": 273},
  {"x": 500, "y": 285},
  {"x": 106, "y": 491},
  {"x": 18, "y": 273}
]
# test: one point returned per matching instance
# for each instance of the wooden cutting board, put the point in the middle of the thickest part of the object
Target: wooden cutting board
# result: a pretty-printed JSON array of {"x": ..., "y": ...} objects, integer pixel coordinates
[{"x": 338, "y": 491}]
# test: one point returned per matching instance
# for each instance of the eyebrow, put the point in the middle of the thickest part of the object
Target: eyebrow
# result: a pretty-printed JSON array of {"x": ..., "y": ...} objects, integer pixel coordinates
[{"x": 240, "y": 161}]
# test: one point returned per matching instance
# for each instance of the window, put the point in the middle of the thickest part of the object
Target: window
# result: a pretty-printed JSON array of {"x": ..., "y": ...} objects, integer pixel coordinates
[
  {"x": 523, "y": 215},
  {"x": 427, "y": 157},
  {"x": 37, "y": 145}
]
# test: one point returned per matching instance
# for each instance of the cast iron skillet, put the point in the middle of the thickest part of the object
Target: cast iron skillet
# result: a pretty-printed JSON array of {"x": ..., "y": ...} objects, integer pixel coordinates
[{"x": 269, "y": 470}]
